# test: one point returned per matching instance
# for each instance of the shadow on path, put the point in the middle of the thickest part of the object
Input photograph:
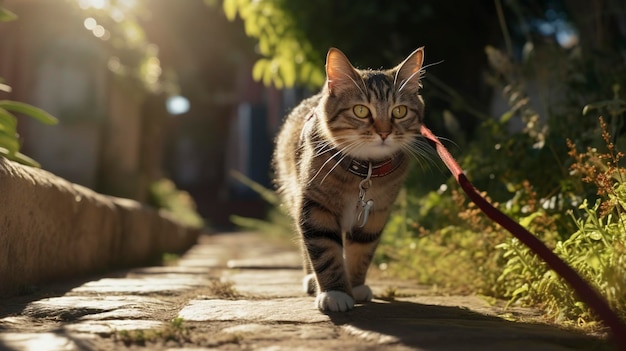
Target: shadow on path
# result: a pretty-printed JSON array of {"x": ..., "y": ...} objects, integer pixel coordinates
[
  {"x": 15, "y": 305},
  {"x": 434, "y": 327}
]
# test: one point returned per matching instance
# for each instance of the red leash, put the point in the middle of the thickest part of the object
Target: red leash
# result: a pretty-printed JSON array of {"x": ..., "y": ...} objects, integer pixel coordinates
[{"x": 584, "y": 290}]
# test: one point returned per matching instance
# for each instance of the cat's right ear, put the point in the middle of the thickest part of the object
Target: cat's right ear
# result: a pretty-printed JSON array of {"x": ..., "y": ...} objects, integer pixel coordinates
[
  {"x": 409, "y": 72},
  {"x": 339, "y": 71}
]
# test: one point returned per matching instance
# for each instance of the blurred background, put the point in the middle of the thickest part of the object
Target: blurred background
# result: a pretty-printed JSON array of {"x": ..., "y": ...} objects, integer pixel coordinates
[{"x": 168, "y": 96}]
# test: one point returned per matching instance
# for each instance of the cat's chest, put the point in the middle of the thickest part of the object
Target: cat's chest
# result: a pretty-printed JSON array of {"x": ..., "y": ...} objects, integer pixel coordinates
[
  {"x": 351, "y": 197},
  {"x": 360, "y": 204}
]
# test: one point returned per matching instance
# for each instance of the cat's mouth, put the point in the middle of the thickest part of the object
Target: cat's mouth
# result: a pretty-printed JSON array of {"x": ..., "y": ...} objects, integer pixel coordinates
[{"x": 376, "y": 150}]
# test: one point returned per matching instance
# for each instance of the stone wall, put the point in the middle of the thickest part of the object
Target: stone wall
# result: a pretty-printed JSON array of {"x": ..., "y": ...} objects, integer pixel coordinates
[{"x": 51, "y": 229}]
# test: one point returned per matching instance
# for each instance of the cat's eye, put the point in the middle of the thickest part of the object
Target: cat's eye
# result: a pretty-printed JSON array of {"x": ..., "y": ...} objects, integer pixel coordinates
[
  {"x": 399, "y": 111},
  {"x": 361, "y": 111}
]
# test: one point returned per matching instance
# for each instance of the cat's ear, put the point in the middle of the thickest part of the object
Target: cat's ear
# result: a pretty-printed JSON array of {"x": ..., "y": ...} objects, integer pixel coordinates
[
  {"x": 409, "y": 71},
  {"x": 339, "y": 71}
]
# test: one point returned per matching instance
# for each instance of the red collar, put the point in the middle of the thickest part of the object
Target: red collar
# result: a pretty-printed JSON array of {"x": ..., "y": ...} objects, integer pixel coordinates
[{"x": 361, "y": 167}]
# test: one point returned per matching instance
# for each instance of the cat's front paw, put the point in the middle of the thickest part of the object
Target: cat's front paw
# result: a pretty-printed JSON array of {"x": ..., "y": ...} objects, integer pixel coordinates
[
  {"x": 362, "y": 293},
  {"x": 334, "y": 301},
  {"x": 309, "y": 284}
]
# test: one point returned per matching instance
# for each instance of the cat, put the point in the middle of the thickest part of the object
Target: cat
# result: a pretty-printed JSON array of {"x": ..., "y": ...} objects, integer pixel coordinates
[{"x": 340, "y": 160}]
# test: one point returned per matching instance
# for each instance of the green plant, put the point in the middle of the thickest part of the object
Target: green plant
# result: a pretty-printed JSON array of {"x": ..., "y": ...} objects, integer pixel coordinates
[
  {"x": 277, "y": 224},
  {"x": 9, "y": 138},
  {"x": 223, "y": 289},
  {"x": 175, "y": 331},
  {"x": 573, "y": 201},
  {"x": 597, "y": 249},
  {"x": 165, "y": 195},
  {"x": 170, "y": 259}
]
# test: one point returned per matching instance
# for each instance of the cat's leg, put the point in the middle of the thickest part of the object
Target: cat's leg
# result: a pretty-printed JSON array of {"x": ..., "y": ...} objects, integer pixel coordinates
[
  {"x": 323, "y": 244},
  {"x": 359, "y": 249},
  {"x": 309, "y": 285}
]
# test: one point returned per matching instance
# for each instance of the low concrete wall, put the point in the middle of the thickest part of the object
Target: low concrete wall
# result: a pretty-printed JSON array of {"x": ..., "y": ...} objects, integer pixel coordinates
[{"x": 51, "y": 229}]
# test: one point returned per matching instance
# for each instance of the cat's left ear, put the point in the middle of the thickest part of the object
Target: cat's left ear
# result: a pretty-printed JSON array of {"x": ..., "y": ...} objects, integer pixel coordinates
[
  {"x": 408, "y": 72},
  {"x": 339, "y": 71}
]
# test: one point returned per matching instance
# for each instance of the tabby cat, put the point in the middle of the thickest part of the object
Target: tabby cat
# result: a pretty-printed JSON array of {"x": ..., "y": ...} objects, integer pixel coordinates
[{"x": 340, "y": 161}]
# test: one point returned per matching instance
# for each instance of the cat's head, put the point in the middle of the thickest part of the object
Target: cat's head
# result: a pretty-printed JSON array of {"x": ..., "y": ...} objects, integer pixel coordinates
[{"x": 372, "y": 114}]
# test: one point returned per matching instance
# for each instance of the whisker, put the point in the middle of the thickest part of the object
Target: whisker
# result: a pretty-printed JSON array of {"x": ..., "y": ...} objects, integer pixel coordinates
[
  {"x": 419, "y": 73},
  {"x": 333, "y": 168},
  {"x": 422, "y": 151},
  {"x": 339, "y": 151},
  {"x": 450, "y": 141},
  {"x": 355, "y": 83},
  {"x": 430, "y": 65}
]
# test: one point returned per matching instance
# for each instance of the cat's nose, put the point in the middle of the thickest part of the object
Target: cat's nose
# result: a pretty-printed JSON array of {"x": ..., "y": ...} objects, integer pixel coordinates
[{"x": 384, "y": 135}]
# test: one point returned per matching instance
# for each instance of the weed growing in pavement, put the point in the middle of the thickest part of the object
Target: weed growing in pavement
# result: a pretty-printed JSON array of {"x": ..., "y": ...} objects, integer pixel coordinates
[
  {"x": 169, "y": 259},
  {"x": 223, "y": 289},
  {"x": 174, "y": 331}
]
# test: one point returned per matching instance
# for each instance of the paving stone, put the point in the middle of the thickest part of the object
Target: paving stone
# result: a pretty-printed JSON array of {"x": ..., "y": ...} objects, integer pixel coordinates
[
  {"x": 267, "y": 283},
  {"x": 437, "y": 326},
  {"x": 283, "y": 331},
  {"x": 91, "y": 307},
  {"x": 273, "y": 315},
  {"x": 192, "y": 349},
  {"x": 169, "y": 270},
  {"x": 201, "y": 262},
  {"x": 299, "y": 310},
  {"x": 141, "y": 285},
  {"x": 109, "y": 327},
  {"x": 36, "y": 342},
  {"x": 283, "y": 260}
]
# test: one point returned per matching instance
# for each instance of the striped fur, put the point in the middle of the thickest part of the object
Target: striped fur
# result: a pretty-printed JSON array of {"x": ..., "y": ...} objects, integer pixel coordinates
[{"x": 322, "y": 196}]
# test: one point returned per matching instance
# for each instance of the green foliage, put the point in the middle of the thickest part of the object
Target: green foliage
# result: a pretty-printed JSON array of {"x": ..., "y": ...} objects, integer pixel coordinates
[
  {"x": 6, "y": 15},
  {"x": 277, "y": 223},
  {"x": 175, "y": 332},
  {"x": 526, "y": 160},
  {"x": 596, "y": 249},
  {"x": 9, "y": 138},
  {"x": 287, "y": 55},
  {"x": 129, "y": 53},
  {"x": 535, "y": 175},
  {"x": 294, "y": 36},
  {"x": 165, "y": 195}
]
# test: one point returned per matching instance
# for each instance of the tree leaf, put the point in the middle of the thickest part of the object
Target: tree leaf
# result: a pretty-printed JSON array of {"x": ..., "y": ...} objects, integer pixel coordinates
[
  {"x": 6, "y": 15},
  {"x": 230, "y": 9},
  {"x": 287, "y": 70},
  {"x": 32, "y": 111},
  {"x": 10, "y": 143},
  {"x": 8, "y": 122},
  {"x": 259, "y": 69},
  {"x": 5, "y": 88},
  {"x": 25, "y": 160},
  {"x": 506, "y": 116}
]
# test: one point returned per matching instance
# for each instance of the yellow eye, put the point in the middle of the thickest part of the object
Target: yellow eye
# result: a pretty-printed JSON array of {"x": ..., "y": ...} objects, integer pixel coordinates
[
  {"x": 361, "y": 111},
  {"x": 399, "y": 111}
]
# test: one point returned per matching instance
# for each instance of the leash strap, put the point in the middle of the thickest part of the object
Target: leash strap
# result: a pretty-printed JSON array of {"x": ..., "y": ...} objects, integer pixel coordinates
[{"x": 582, "y": 287}]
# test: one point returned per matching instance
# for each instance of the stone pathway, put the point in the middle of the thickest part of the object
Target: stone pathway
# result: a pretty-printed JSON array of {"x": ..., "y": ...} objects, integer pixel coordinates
[{"x": 241, "y": 292}]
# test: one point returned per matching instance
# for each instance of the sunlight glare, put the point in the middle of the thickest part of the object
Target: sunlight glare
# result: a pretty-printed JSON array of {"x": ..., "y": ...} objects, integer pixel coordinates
[
  {"x": 90, "y": 23},
  {"x": 120, "y": 6},
  {"x": 177, "y": 105},
  {"x": 96, "y": 4},
  {"x": 99, "y": 31}
]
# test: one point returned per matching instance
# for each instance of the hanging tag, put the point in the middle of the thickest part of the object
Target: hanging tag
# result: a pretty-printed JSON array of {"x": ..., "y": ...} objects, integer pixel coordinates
[
  {"x": 364, "y": 214},
  {"x": 364, "y": 206}
]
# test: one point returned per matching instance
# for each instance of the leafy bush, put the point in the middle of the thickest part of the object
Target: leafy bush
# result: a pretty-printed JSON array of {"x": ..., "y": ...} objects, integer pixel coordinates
[
  {"x": 526, "y": 160},
  {"x": 165, "y": 195},
  {"x": 596, "y": 249},
  {"x": 573, "y": 201},
  {"x": 9, "y": 138}
]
